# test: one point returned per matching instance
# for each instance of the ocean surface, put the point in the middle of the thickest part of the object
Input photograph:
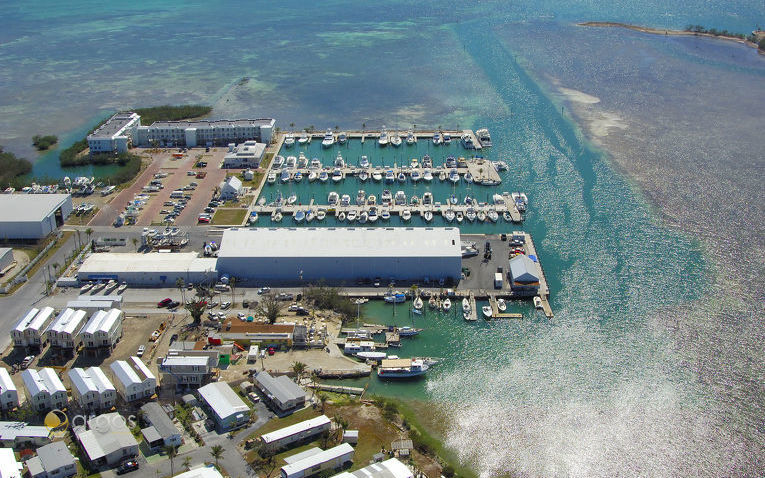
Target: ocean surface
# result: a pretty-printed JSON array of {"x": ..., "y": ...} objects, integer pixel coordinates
[{"x": 641, "y": 156}]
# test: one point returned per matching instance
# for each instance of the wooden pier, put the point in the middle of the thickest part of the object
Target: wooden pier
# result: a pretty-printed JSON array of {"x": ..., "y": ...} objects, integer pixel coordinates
[
  {"x": 354, "y": 373},
  {"x": 544, "y": 290},
  {"x": 338, "y": 389},
  {"x": 473, "y": 316},
  {"x": 496, "y": 314}
]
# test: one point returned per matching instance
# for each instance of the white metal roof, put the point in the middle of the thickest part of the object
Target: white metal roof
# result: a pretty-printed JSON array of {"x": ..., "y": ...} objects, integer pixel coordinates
[
  {"x": 178, "y": 360},
  {"x": 302, "y": 455},
  {"x": 90, "y": 380},
  {"x": 201, "y": 472},
  {"x": 6, "y": 383},
  {"x": 285, "y": 432},
  {"x": 124, "y": 373},
  {"x": 22, "y": 324},
  {"x": 523, "y": 269},
  {"x": 102, "y": 321},
  {"x": 317, "y": 459},
  {"x": 391, "y": 468},
  {"x": 281, "y": 387},
  {"x": 153, "y": 262},
  {"x": 67, "y": 321},
  {"x": 341, "y": 242},
  {"x": 9, "y": 467},
  {"x": 54, "y": 456},
  {"x": 29, "y": 207},
  {"x": 43, "y": 380},
  {"x": 11, "y": 430},
  {"x": 106, "y": 434},
  {"x": 222, "y": 399},
  {"x": 35, "y": 319},
  {"x": 141, "y": 369}
]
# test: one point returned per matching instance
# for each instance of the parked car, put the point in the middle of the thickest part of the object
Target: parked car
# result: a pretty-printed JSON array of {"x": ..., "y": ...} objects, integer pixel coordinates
[
  {"x": 173, "y": 304},
  {"x": 164, "y": 302},
  {"x": 271, "y": 350},
  {"x": 127, "y": 467},
  {"x": 264, "y": 290},
  {"x": 191, "y": 173},
  {"x": 141, "y": 350},
  {"x": 203, "y": 219},
  {"x": 27, "y": 360},
  {"x": 253, "y": 397},
  {"x": 225, "y": 305},
  {"x": 209, "y": 210}
]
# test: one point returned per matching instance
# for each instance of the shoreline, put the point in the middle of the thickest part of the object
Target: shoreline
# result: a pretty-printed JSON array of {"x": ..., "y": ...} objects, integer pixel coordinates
[{"x": 667, "y": 32}]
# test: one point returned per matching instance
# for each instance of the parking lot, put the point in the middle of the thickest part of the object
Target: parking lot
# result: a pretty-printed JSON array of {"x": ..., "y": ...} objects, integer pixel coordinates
[{"x": 482, "y": 269}]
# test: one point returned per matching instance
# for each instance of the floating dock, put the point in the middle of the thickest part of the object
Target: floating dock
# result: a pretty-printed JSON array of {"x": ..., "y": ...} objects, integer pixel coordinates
[{"x": 338, "y": 389}]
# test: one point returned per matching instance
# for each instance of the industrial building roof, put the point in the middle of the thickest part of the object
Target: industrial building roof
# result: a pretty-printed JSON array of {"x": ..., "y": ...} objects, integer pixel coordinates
[
  {"x": 54, "y": 456},
  {"x": 222, "y": 123},
  {"x": 11, "y": 430},
  {"x": 341, "y": 242},
  {"x": 43, "y": 380},
  {"x": 68, "y": 321},
  {"x": 29, "y": 207},
  {"x": 6, "y": 383},
  {"x": 281, "y": 388},
  {"x": 106, "y": 434},
  {"x": 154, "y": 414},
  {"x": 317, "y": 459},
  {"x": 90, "y": 380},
  {"x": 222, "y": 399},
  {"x": 102, "y": 321},
  {"x": 155, "y": 262},
  {"x": 35, "y": 319},
  {"x": 391, "y": 468},
  {"x": 285, "y": 432},
  {"x": 523, "y": 270}
]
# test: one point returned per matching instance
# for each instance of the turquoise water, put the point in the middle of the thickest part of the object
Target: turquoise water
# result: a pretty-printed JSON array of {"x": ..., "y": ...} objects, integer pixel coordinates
[{"x": 624, "y": 380}]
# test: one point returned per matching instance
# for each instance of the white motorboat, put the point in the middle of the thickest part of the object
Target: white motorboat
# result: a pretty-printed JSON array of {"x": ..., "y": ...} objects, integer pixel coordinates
[
  {"x": 299, "y": 216},
  {"x": 501, "y": 305},
  {"x": 386, "y": 197},
  {"x": 449, "y": 215},
  {"x": 442, "y": 175},
  {"x": 351, "y": 216},
  {"x": 414, "y": 201},
  {"x": 329, "y": 139},
  {"x": 427, "y": 161},
  {"x": 454, "y": 176},
  {"x": 459, "y": 217},
  {"x": 315, "y": 163},
  {"x": 361, "y": 197},
  {"x": 377, "y": 176},
  {"x": 122, "y": 288},
  {"x": 339, "y": 161},
  {"x": 401, "y": 177},
  {"x": 371, "y": 200},
  {"x": 86, "y": 287},
  {"x": 276, "y": 217},
  {"x": 372, "y": 216},
  {"x": 390, "y": 176},
  {"x": 297, "y": 177},
  {"x": 400, "y": 198},
  {"x": 406, "y": 215},
  {"x": 363, "y": 217},
  {"x": 342, "y": 137},
  {"x": 291, "y": 162},
  {"x": 292, "y": 199},
  {"x": 417, "y": 303},
  {"x": 427, "y": 199},
  {"x": 492, "y": 215},
  {"x": 303, "y": 139},
  {"x": 451, "y": 162},
  {"x": 467, "y": 141},
  {"x": 341, "y": 216},
  {"x": 436, "y": 138},
  {"x": 289, "y": 140},
  {"x": 337, "y": 175},
  {"x": 285, "y": 176},
  {"x": 395, "y": 139},
  {"x": 363, "y": 176},
  {"x": 446, "y": 138},
  {"x": 500, "y": 165},
  {"x": 333, "y": 198},
  {"x": 313, "y": 176},
  {"x": 345, "y": 200},
  {"x": 309, "y": 215},
  {"x": 484, "y": 137},
  {"x": 321, "y": 214},
  {"x": 383, "y": 140},
  {"x": 323, "y": 176},
  {"x": 537, "y": 302},
  {"x": 507, "y": 216},
  {"x": 364, "y": 162},
  {"x": 468, "y": 178},
  {"x": 253, "y": 217},
  {"x": 278, "y": 162},
  {"x": 402, "y": 368},
  {"x": 481, "y": 216},
  {"x": 486, "y": 309},
  {"x": 470, "y": 214},
  {"x": 385, "y": 215},
  {"x": 446, "y": 305},
  {"x": 302, "y": 161},
  {"x": 410, "y": 138},
  {"x": 271, "y": 177},
  {"x": 428, "y": 216},
  {"x": 427, "y": 176},
  {"x": 416, "y": 176},
  {"x": 466, "y": 305}
]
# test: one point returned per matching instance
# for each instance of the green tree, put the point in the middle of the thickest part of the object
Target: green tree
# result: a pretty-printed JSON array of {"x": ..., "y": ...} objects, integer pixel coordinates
[
  {"x": 232, "y": 285},
  {"x": 270, "y": 307},
  {"x": 216, "y": 452},
  {"x": 299, "y": 368},
  {"x": 135, "y": 243},
  {"x": 196, "y": 309},
  {"x": 181, "y": 285},
  {"x": 187, "y": 463},
  {"x": 171, "y": 453},
  {"x": 322, "y": 401}
]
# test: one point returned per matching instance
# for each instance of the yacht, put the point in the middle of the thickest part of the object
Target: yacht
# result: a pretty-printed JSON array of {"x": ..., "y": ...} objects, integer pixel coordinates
[
  {"x": 86, "y": 287},
  {"x": 436, "y": 138},
  {"x": 467, "y": 141},
  {"x": 323, "y": 176},
  {"x": 298, "y": 176},
  {"x": 289, "y": 140},
  {"x": 389, "y": 176},
  {"x": 492, "y": 215},
  {"x": 385, "y": 214},
  {"x": 401, "y": 177},
  {"x": 337, "y": 175},
  {"x": 303, "y": 139},
  {"x": 302, "y": 161},
  {"x": 361, "y": 197},
  {"x": 410, "y": 138},
  {"x": 291, "y": 162},
  {"x": 321, "y": 214},
  {"x": 345, "y": 200},
  {"x": 521, "y": 201},
  {"x": 351, "y": 216},
  {"x": 383, "y": 140},
  {"x": 446, "y": 305},
  {"x": 278, "y": 162},
  {"x": 371, "y": 200},
  {"x": 468, "y": 178},
  {"x": 449, "y": 215},
  {"x": 406, "y": 215},
  {"x": 377, "y": 176},
  {"x": 386, "y": 197},
  {"x": 123, "y": 286},
  {"x": 329, "y": 139},
  {"x": 500, "y": 165},
  {"x": 339, "y": 161},
  {"x": 395, "y": 139},
  {"x": 451, "y": 162},
  {"x": 486, "y": 309},
  {"x": 459, "y": 217},
  {"x": 299, "y": 216},
  {"x": 363, "y": 176},
  {"x": 484, "y": 137},
  {"x": 342, "y": 137},
  {"x": 427, "y": 199},
  {"x": 315, "y": 163},
  {"x": 285, "y": 176},
  {"x": 470, "y": 214},
  {"x": 454, "y": 176},
  {"x": 427, "y": 176},
  {"x": 271, "y": 178},
  {"x": 501, "y": 305},
  {"x": 416, "y": 175},
  {"x": 364, "y": 162},
  {"x": 446, "y": 138},
  {"x": 312, "y": 176},
  {"x": 428, "y": 216},
  {"x": 372, "y": 216},
  {"x": 400, "y": 198},
  {"x": 333, "y": 198},
  {"x": 409, "y": 331}
]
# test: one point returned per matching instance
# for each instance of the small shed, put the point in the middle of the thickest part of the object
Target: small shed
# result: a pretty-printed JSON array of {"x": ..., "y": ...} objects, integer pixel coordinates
[
  {"x": 246, "y": 386},
  {"x": 401, "y": 448},
  {"x": 351, "y": 436},
  {"x": 252, "y": 354},
  {"x": 249, "y": 175},
  {"x": 190, "y": 400}
]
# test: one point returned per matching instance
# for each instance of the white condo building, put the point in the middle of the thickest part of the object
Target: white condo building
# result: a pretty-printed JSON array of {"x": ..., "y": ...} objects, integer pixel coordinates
[
  {"x": 63, "y": 331},
  {"x": 44, "y": 388},
  {"x": 9, "y": 396},
  {"x": 92, "y": 389},
  {"x": 30, "y": 329},
  {"x": 116, "y": 135},
  {"x": 104, "y": 329},
  {"x": 134, "y": 380}
]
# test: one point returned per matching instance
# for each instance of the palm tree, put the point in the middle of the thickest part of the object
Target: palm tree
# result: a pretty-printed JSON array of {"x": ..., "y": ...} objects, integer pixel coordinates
[
  {"x": 181, "y": 285},
  {"x": 322, "y": 401},
  {"x": 135, "y": 243},
  {"x": 342, "y": 424},
  {"x": 314, "y": 379},
  {"x": 292, "y": 125},
  {"x": 88, "y": 231},
  {"x": 299, "y": 369},
  {"x": 187, "y": 463},
  {"x": 232, "y": 284},
  {"x": 171, "y": 452},
  {"x": 216, "y": 452},
  {"x": 56, "y": 265}
]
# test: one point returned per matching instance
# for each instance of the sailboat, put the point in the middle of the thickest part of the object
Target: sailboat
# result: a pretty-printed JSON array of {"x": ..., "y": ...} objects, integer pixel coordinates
[{"x": 417, "y": 303}]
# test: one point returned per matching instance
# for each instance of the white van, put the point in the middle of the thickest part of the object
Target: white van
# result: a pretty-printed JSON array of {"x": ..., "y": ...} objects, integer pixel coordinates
[{"x": 177, "y": 194}]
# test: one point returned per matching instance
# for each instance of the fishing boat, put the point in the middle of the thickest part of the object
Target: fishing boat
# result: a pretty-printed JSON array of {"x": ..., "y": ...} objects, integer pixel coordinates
[
  {"x": 383, "y": 140},
  {"x": 303, "y": 139},
  {"x": 297, "y": 177},
  {"x": 323, "y": 176},
  {"x": 417, "y": 304},
  {"x": 468, "y": 178},
  {"x": 484, "y": 137},
  {"x": 342, "y": 137},
  {"x": 302, "y": 161},
  {"x": 402, "y": 368},
  {"x": 276, "y": 217},
  {"x": 399, "y": 198},
  {"x": 329, "y": 139},
  {"x": 285, "y": 176},
  {"x": 416, "y": 176},
  {"x": 459, "y": 217},
  {"x": 292, "y": 199},
  {"x": 410, "y": 138},
  {"x": 271, "y": 177},
  {"x": 377, "y": 176},
  {"x": 351, "y": 216},
  {"x": 363, "y": 217},
  {"x": 401, "y": 177},
  {"x": 289, "y": 140},
  {"x": 341, "y": 216},
  {"x": 454, "y": 176},
  {"x": 501, "y": 305},
  {"x": 278, "y": 162},
  {"x": 309, "y": 215},
  {"x": 86, "y": 287},
  {"x": 363, "y": 176},
  {"x": 507, "y": 216},
  {"x": 481, "y": 216},
  {"x": 337, "y": 175},
  {"x": 537, "y": 302},
  {"x": 427, "y": 176},
  {"x": 406, "y": 215},
  {"x": 407, "y": 331},
  {"x": 321, "y": 214},
  {"x": 427, "y": 198},
  {"x": 299, "y": 216},
  {"x": 361, "y": 197},
  {"x": 446, "y": 305},
  {"x": 395, "y": 139},
  {"x": 345, "y": 200},
  {"x": 486, "y": 309},
  {"x": 394, "y": 297},
  {"x": 436, "y": 138},
  {"x": 312, "y": 176},
  {"x": 492, "y": 215},
  {"x": 333, "y": 198},
  {"x": 428, "y": 216},
  {"x": 372, "y": 216},
  {"x": 386, "y": 197},
  {"x": 122, "y": 288},
  {"x": 315, "y": 163},
  {"x": 449, "y": 215},
  {"x": 385, "y": 215},
  {"x": 446, "y": 138},
  {"x": 470, "y": 214}
]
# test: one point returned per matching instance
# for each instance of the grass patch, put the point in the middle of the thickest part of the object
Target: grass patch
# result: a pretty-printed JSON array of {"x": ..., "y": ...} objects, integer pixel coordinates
[
  {"x": 266, "y": 162},
  {"x": 229, "y": 216},
  {"x": 172, "y": 113},
  {"x": 256, "y": 180}
]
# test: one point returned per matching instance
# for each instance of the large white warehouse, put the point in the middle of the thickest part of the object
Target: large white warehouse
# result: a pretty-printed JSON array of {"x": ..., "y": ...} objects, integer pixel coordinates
[
  {"x": 32, "y": 216},
  {"x": 153, "y": 269},
  {"x": 340, "y": 254}
]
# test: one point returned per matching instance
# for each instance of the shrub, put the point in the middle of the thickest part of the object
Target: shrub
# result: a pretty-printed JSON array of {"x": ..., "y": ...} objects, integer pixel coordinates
[{"x": 44, "y": 142}]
